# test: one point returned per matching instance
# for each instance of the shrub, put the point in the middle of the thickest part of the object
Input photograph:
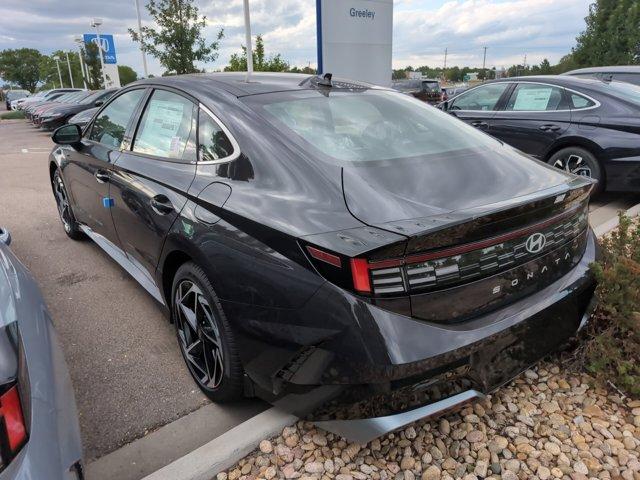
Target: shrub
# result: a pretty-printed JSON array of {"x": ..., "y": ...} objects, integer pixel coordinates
[
  {"x": 13, "y": 115},
  {"x": 612, "y": 351}
]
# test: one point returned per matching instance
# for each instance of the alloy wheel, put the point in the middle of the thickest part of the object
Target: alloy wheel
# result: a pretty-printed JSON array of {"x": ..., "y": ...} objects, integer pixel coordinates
[
  {"x": 62, "y": 202},
  {"x": 198, "y": 334},
  {"x": 574, "y": 164}
]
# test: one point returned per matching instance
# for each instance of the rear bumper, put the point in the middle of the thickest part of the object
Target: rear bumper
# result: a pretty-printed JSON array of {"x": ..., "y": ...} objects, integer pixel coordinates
[{"x": 352, "y": 360}]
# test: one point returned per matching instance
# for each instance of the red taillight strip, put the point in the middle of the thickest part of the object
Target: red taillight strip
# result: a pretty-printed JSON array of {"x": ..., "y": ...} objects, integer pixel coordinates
[
  {"x": 448, "y": 252},
  {"x": 325, "y": 256},
  {"x": 360, "y": 273},
  {"x": 11, "y": 412}
]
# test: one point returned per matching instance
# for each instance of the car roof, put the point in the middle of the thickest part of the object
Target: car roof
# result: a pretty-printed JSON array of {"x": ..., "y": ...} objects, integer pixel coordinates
[
  {"x": 235, "y": 82},
  {"x": 561, "y": 80},
  {"x": 611, "y": 69}
]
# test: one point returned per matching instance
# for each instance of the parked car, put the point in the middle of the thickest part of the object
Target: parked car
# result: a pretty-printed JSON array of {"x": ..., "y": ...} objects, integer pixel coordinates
[
  {"x": 625, "y": 73},
  {"x": 584, "y": 126},
  {"x": 427, "y": 90},
  {"x": 342, "y": 250},
  {"x": 58, "y": 115},
  {"x": 40, "y": 436},
  {"x": 47, "y": 95},
  {"x": 12, "y": 95},
  {"x": 61, "y": 97},
  {"x": 81, "y": 119},
  {"x": 448, "y": 93}
]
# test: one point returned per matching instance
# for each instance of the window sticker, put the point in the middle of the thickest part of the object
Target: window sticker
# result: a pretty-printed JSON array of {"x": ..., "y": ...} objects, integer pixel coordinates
[
  {"x": 161, "y": 127},
  {"x": 532, "y": 99}
]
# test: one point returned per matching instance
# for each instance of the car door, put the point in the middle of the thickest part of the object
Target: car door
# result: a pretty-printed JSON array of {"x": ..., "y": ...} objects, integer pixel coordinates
[
  {"x": 150, "y": 179},
  {"x": 477, "y": 106},
  {"x": 87, "y": 169},
  {"x": 533, "y": 117}
]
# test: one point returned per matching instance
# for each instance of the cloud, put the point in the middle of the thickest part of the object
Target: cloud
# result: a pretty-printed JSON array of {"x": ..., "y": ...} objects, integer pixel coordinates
[{"x": 422, "y": 28}]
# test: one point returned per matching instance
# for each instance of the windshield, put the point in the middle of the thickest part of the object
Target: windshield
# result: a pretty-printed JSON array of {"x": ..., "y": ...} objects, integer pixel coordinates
[
  {"x": 623, "y": 91},
  {"x": 369, "y": 126},
  {"x": 76, "y": 97}
]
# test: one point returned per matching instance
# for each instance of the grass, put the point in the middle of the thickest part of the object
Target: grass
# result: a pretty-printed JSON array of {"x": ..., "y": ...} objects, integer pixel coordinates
[{"x": 13, "y": 115}]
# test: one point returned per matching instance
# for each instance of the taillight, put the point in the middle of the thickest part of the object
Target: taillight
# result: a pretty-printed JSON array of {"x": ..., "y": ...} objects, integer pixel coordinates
[
  {"x": 15, "y": 432},
  {"x": 360, "y": 274}
]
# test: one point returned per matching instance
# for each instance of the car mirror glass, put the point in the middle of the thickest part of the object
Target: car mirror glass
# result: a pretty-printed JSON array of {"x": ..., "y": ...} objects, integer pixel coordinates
[{"x": 67, "y": 135}]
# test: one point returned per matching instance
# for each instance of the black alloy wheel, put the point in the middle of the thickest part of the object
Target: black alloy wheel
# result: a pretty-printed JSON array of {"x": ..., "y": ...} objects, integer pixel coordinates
[
  {"x": 204, "y": 336},
  {"x": 578, "y": 161},
  {"x": 71, "y": 227}
]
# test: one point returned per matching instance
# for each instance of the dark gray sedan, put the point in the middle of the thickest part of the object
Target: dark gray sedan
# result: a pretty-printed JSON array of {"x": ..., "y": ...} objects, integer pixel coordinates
[{"x": 39, "y": 432}]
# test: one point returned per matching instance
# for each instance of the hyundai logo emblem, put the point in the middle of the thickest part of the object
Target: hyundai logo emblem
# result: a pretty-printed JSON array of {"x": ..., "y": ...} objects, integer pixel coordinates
[{"x": 535, "y": 243}]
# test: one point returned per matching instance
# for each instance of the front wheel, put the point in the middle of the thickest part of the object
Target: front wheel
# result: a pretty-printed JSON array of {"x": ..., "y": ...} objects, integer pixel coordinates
[
  {"x": 71, "y": 227},
  {"x": 205, "y": 338},
  {"x": 578, "y": 161}
]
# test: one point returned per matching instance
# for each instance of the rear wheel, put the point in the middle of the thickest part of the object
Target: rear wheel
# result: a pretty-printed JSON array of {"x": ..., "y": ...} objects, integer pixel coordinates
[
  {"x": 71, "y": 227},
  {"x": 580, "y": 162},
  {"x": 205, "y": 338}
]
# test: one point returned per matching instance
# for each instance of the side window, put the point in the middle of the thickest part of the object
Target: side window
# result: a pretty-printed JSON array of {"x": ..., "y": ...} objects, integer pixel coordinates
[
  {"x": 168, "y": 127},
  {"x": 531, "y": 97},
  {"x": 480, "y": 98},
  {"x": 578, "y": 101},
  {"x": 213, "y": 142},
  {"x": 109, "y": 127},
  {"x": 627, "y": 77}
]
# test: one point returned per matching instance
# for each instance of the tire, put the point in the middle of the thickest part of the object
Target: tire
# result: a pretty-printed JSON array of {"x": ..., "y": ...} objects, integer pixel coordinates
[
  {"x": 71, "y": 227},
  {"x": 208, "y": 347},
  {"x": 579, "y": 161}
]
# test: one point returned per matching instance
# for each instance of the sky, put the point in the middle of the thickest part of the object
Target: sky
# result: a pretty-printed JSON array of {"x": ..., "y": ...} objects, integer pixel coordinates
[{"x": 422, "y": 29}]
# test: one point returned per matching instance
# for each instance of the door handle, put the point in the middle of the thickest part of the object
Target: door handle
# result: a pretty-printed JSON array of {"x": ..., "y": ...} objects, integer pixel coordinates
[
  {"x": 161, "y": 205},
  {"x": 102, "y": 176},
  {"x": 480, "y": 124},
  {"x": 549, "y": 128}
]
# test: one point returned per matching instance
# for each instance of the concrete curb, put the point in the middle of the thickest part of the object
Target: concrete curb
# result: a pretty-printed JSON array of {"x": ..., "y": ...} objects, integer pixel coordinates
[
  {"x": 606, "y": 227},
  {"x": 206, "y": 462}
]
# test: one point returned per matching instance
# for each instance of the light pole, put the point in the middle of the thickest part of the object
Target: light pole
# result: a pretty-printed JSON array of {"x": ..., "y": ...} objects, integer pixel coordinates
[
  {"x": 96, "y": 24},
  {"x": 80, "y": 41},
  {"x": 70, "y": 74},
  {"x": 247, "y": 34},
  {"x": 56, "y": 58},
  {"x": 144, "y": 57}
]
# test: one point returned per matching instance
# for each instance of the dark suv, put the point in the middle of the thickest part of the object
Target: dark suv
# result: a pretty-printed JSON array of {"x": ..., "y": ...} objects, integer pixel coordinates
[
  {"x": 342, "y": 250},
  {"x": 427, "y": 90}
]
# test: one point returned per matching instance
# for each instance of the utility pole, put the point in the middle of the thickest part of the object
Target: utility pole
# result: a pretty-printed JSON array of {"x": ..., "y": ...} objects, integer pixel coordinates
[
  {"x": 247, "y": 34},
  {"x": 446, "y": 50},
  {"x": 144, "y": 57},
  {"x": 484, "y": 58},
  {"x": 70, "y": 74}
]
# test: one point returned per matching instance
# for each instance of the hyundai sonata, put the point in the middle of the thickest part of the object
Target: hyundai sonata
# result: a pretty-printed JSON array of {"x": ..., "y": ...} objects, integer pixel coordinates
[{"x": 342, "y": 250}]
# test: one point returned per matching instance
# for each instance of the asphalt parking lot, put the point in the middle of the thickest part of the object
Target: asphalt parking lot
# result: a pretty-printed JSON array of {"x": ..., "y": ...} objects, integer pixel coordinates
[
  {"x": 128, "y": 374},
  {"x": 127, "y": 371}
]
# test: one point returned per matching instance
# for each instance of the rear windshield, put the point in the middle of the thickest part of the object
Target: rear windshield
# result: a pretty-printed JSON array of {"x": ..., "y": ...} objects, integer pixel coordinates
[
  {"x": 431, "y": 86},
  {"x": 623, "y": 90},
  {"x": 369, "y": 126}
]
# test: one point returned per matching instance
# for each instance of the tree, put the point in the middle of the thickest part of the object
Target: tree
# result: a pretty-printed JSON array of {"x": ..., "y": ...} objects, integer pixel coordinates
[
  {"x": 21, "y": 66},
  {"x": 177, "y": 40},
  {"x": 92, "y": 60},
  {"x": 127, "y": 74},
  {"x": 274, "y": 63},
  {"x": 612, "y": 35}
]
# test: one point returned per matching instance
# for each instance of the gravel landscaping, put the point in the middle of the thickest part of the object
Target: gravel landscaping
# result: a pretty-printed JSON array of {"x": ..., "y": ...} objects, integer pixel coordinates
[{"x": 544, "y": 425}]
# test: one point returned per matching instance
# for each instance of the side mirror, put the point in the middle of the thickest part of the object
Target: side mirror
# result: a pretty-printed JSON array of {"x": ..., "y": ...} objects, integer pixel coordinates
[
  {"x": 67, "y": 135},
  {"x": 98, "y": 103},
  {"x": 5, "y": 236}
]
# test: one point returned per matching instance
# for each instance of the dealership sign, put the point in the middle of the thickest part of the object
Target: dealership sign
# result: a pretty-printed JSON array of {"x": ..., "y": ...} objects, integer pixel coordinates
[
  {"x": 106, "y": 44},
  {"x": 354, "y": 39}
]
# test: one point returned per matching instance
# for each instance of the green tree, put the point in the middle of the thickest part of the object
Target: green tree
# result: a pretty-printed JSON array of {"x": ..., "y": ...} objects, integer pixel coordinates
[
  {"x": 21, "y": 66},
  {"x": 177, "y": 39},
  {"x": 612, "y": 34},
  {"x": 261, "y": 63},
  {"x": 127, "y": 74}
]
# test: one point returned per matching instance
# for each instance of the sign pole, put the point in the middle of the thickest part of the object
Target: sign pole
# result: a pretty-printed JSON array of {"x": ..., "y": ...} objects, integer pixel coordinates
[{"x": 247, "y": 33}]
